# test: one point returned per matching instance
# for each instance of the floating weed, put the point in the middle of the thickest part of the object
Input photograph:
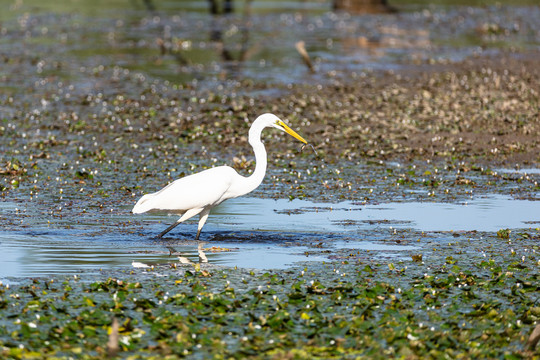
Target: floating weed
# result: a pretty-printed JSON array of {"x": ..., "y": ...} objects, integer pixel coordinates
[
  {"x": 503, "y": 233},
  {"x": 445, "y": 308}
]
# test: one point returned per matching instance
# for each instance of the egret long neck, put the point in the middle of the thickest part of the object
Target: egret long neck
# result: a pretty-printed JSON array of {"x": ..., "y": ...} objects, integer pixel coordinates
[
  {"x": 250, "y": 183},
  {"x": 260, "y": 165}
]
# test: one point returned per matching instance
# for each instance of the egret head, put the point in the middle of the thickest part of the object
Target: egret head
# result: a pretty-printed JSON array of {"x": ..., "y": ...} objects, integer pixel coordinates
[{"x": 275, "y": 122}]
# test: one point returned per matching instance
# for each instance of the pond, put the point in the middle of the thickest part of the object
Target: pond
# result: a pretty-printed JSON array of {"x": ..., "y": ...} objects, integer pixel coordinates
[{"x": 255, "y": 233}]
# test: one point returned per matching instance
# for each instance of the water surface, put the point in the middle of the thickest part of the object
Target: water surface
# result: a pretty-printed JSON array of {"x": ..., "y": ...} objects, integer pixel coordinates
[
  {"x": 252, "y": 233},
  {"x": 181, "y": 43}
]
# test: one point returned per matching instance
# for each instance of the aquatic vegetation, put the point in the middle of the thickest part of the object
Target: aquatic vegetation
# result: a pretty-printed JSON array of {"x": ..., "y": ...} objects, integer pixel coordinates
[{"x": 469, "y": 307}]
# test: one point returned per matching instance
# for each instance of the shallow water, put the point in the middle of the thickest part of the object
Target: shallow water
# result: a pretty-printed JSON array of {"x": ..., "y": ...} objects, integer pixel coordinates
[
  {"x": 253, "y": 233},
  {"x": 489, "y": 213},
  {"x": 181, "y": 43},
  {"x": 522, "y": 171}
]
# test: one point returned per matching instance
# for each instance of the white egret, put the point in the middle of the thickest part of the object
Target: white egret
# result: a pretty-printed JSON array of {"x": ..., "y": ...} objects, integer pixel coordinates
[{"x": 197, "y": 194}]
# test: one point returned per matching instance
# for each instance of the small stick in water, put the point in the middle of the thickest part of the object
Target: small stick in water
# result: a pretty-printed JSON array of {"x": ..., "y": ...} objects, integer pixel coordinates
[{"x": 301, "y": 48}]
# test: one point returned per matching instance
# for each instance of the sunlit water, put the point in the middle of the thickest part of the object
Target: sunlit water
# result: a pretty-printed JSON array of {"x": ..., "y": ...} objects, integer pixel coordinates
[
  {"x": 482, "y": 214},
  {"x": 523, "y": 171},
  {"x": 253, "y": 233}
]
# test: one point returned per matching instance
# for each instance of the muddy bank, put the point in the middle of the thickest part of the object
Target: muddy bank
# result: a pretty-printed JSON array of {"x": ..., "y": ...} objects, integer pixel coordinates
[{"x": 483, "y": 110}]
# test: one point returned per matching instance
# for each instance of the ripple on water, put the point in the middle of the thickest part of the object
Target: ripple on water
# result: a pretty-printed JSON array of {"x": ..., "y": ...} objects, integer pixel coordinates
[
  {"x": 254, "y": 233},
  {"x": 487, "y": 213}
]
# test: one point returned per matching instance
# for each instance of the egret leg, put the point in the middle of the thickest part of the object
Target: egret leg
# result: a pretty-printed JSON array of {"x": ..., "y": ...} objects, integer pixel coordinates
[
  {"x": 202, "y": 219},
  {"x": 187, "y": 215},
  {"x": 168, "y": 229}
]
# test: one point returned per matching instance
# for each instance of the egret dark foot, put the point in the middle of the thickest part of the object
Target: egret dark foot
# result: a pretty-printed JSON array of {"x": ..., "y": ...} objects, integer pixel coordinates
[{"x": 198, "y": 234}]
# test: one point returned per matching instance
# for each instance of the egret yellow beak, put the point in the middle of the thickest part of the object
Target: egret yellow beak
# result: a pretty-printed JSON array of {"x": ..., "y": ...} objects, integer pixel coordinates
[{"x": 290, "y": 131}]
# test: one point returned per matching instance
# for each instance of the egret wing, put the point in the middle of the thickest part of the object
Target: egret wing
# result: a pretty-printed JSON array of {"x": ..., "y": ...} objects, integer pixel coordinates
[{"x": 197, "y": 191}]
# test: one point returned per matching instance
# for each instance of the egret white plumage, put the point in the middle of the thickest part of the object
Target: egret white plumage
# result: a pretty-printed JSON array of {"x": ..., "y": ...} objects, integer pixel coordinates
[{"x": 198, "y": 193}]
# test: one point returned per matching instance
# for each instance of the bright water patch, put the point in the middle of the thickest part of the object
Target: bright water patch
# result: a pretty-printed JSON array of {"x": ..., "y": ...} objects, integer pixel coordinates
[
  {"x": 250, "y": 233},
  {"x": 490, "y": 213},
  {"x": 522, "y": 171},
  {"x": 256, "y": 255},
  {"x": 48, "y": 252},
  {"x": 62, "y": 252}
]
